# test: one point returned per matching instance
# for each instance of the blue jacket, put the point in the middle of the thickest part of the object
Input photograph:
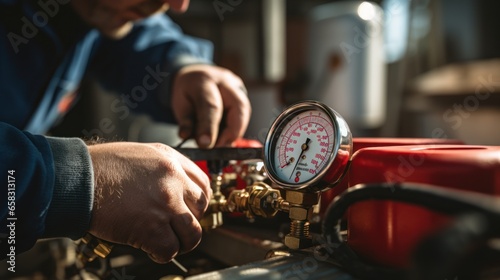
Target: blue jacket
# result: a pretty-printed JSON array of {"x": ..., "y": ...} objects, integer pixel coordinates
[{"x": 45, "y": 50}]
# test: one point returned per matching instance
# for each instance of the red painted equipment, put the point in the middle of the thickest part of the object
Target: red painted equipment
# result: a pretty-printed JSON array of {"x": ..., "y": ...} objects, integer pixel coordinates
[
  {"x": 386, "y": 232},
  {"x": 360, "y": 143}
]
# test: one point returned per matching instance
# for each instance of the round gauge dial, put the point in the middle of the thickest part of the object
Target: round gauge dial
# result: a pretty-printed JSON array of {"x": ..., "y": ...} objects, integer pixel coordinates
[{"x": 307, "y": 147}]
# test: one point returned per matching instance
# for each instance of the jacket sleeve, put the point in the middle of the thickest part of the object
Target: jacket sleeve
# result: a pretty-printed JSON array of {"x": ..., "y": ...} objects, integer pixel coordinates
[
  {"x": 48, "y": 188},
  {"x": 140, "y": 66}
]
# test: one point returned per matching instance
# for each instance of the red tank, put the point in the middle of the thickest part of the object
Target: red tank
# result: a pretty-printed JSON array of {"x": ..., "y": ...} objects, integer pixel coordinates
[
  {"x": 386, "y": 232},
  {"x": 360, "y": 143}
]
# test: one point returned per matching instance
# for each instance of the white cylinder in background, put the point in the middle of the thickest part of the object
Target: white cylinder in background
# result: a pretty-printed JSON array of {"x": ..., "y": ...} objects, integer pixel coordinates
[{"x": 346, "y": 61}]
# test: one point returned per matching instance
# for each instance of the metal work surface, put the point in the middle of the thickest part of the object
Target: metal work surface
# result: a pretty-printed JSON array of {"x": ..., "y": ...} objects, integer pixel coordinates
[
  {"x": 299, "y": 266},
  {"x": 237, "y": 246}
]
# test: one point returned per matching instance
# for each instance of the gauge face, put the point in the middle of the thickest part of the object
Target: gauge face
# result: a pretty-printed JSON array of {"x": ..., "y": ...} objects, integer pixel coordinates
[
  {"x": 303, "y": 147},
  {"x": 303, "y": 144}
]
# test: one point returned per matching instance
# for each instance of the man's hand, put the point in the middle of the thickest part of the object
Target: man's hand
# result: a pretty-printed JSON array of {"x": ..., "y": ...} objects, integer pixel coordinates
[
  {"x": 201, "y": 95},
  {"x": 148, "y": 196}
]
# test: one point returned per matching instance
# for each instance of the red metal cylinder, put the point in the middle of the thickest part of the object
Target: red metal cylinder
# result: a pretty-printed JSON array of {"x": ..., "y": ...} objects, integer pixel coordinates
[
  {"x": 386, "y": 232},
  {"x": 366, "y": 142}
]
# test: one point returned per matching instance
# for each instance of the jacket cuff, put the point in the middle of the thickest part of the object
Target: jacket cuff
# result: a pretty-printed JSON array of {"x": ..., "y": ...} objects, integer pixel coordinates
[{"x": 71, "y": 206}]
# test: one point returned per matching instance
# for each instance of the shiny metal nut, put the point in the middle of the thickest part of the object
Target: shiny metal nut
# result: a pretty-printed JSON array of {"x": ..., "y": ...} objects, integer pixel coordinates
[
  {"x": 300, "y": 213},
  {"x": 296, "y": 243},
  {"x": 301, "y": 198}
]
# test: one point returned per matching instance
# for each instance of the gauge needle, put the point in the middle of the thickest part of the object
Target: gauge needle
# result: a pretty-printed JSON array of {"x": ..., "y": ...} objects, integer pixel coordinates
[
  {"x": 286, "y": 164},
  {"x": 304, "y": 147}
]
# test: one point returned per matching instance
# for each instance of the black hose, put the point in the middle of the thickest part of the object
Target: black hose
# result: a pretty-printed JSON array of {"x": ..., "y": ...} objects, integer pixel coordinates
[
  {"x": 478, "y": 220},
  {"x": 442, "y": 254}
]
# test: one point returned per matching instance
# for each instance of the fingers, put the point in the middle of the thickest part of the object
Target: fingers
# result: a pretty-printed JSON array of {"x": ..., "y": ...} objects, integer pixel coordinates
[
  {"x": 198, "y": 109},
  {"x": 196, "y": 196},
  {"x": 182, "y": 107},
  {"x": 188, "y": 229},
  {"x": 202, "y": 93},
  {"x": 180, "y": 232},
  {"x": 151, "y": 198},
  {"x": 181, "y": 235},
  {"x": 196, "y": 175},
  {"x": 195, "y": 201},
  {"x": 190, "y": 179},
  {"x": 184, "y": 203},
  {"x": 162, "y": 245},
  {"x": 238, "y": 112},
  {"x": 209, "y": 110}
]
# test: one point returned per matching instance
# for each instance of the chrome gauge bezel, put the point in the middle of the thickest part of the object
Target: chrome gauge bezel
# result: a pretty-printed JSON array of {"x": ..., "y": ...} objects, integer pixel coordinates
[{"x": 337, "y": 162}]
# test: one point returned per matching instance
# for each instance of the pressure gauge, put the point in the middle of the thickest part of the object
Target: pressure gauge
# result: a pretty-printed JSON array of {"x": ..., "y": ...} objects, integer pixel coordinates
[{"x": 308, "y": 148}]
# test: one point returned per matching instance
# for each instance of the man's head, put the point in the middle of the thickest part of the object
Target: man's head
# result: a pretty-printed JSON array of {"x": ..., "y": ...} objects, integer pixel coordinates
[{"x": 114, "y": 18}]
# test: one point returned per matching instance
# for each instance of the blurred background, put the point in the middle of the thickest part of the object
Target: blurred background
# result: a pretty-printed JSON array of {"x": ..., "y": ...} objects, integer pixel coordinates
[{"x": 392, "y": 68}]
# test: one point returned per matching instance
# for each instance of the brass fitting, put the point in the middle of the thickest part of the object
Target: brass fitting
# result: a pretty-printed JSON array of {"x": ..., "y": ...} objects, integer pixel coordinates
[
  {"x": 296, "y": 243},
  {"x": 213, "y": 216},
  {"x": 300, "y": 212},
  {"x": 238, "y": 201},
  {"x": 90, "y": 247},
  {"x": 260, "y": 199},
  {"x": 302, "y": 198},
  {"x": 256, "y": 200},
  {"x": 263, "y": 200}
]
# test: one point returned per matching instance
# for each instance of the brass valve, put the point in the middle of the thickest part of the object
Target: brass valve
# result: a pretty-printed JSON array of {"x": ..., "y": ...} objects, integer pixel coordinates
[
  {"x": 213, "y": 216},
  {"x": 261, "y": 200},
  {"x": 256, "y": 200},
  {"x": 89, "y": 247}
]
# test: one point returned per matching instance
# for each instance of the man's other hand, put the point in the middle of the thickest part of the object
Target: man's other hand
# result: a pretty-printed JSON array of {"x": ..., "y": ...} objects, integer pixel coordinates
[{"x": 201, "y": 95}]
